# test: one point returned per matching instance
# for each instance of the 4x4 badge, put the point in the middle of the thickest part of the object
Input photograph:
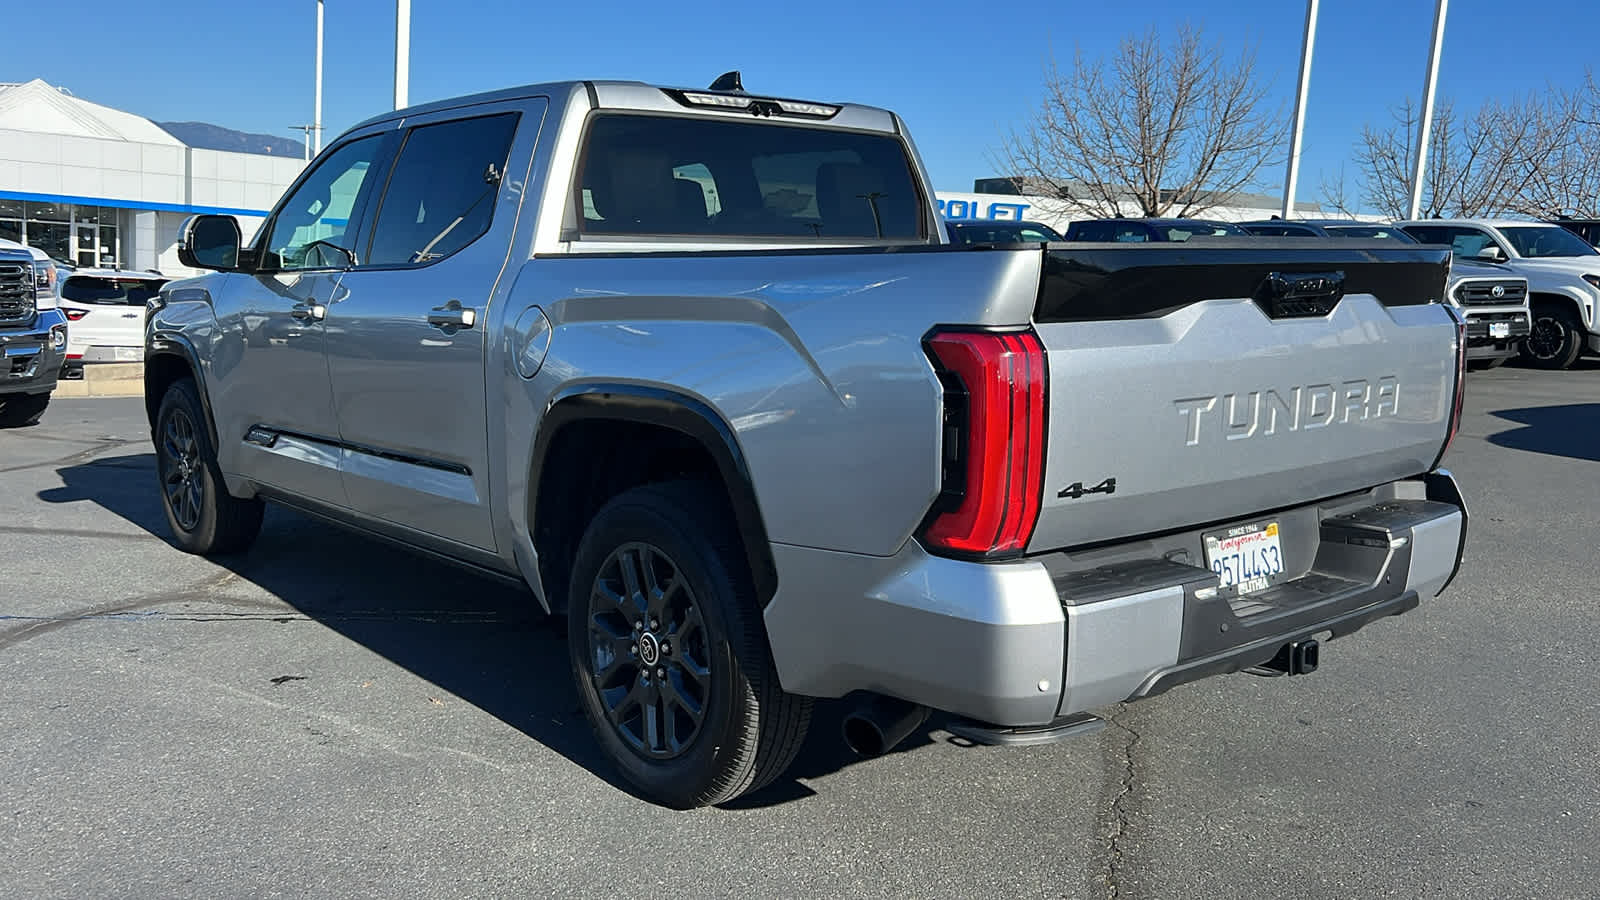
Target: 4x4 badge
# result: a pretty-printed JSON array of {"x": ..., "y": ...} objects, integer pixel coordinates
[{"x": 1076, "y": 489}]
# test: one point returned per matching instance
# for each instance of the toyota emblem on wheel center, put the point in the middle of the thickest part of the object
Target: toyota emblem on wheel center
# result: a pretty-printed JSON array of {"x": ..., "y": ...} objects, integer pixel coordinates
[{"x": 649, "y": 649}]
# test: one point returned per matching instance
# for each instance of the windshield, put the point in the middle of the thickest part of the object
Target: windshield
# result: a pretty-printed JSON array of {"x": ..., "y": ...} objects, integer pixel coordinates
[
  {"x": 1200, "y": 229},
  {"x": 109, "y": 291},
  {"x": 995, "y": 233},
  {"x": 1370, "y": 231},
  {"x": 1540, "y": 241}
]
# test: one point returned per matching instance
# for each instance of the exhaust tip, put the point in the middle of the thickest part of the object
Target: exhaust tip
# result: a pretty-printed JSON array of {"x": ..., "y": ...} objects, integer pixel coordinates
[
  {"x": 874, "y": 727},
  {"x": 862, "y": 737}
]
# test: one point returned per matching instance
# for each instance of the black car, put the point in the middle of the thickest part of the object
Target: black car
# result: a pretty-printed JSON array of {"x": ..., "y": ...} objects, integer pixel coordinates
[
  {"x": 1588, "y": 229},
  {"x": 995, "y": 231},
  {"x": 1146, "y": 230},
  {"x": 1346, "y": 228}
]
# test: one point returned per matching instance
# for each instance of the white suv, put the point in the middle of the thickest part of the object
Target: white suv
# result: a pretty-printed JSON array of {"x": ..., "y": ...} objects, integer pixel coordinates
[
  {"x": 1563, "y": 275},
  {"x": 106, "y": 309}
]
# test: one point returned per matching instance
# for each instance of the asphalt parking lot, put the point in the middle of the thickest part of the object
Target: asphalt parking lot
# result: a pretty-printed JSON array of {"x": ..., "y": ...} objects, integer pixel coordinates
[{"x": 326, "y": 716}]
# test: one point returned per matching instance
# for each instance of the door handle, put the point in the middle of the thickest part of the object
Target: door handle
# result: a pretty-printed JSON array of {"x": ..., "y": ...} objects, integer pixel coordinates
[
  {"x": 310, "y": 311},
  {"x": 452, "y": 315}
]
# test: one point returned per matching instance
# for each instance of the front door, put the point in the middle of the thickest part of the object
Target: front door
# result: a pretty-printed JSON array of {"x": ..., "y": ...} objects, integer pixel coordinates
[
  {"x": 269, "y": 376},
  {"x": 406, "y": 338}
]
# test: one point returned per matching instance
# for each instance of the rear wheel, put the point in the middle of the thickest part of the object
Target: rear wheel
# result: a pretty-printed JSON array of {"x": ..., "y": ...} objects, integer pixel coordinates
[
  {"x": 203, "y": 516},
  {"x": 17, "y": 410},
  {"x": 669, "y": 653},
  {"x": 1556, "y": 338}
]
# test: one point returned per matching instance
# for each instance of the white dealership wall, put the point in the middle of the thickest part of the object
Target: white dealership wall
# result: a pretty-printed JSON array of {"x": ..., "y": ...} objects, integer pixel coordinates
[{"x": 67, "y": 153}]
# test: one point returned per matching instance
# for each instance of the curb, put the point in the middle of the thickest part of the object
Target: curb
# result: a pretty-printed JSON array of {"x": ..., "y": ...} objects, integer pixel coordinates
[{"x": 105, "y": 380}]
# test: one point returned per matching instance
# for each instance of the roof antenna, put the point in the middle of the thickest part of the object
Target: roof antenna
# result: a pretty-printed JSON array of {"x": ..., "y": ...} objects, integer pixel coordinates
[{"x": 728, "y": 82}]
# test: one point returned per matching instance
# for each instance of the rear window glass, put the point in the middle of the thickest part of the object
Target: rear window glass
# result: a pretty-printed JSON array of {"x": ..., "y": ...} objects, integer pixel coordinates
[
  {"x": 660, "y": 175},
  {"x": 109, "y": 291}
]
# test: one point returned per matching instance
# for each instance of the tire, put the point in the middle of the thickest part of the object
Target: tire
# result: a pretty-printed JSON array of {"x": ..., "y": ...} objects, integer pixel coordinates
[
  {"x": 1555, "y": 340},
  {"x": 674, "y": 541},
  {"x": 18, "y": 410},
  {"x": 204, "y": 518}
]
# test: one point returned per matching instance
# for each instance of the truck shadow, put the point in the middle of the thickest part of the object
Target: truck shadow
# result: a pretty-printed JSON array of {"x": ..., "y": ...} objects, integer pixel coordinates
[
  {"x": 1571, "y": 430},
  {"x": 481, "y": 640}
]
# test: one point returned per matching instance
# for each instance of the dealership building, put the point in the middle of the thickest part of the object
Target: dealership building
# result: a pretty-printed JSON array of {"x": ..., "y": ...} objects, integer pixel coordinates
[{"x": 96, "y": 186}]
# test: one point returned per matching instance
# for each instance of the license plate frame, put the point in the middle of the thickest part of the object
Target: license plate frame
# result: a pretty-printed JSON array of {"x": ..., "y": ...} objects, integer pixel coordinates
[
  {"x": 1246, "y": 558},
  {"x": 1499, "y": 329},
  {"x": 30, "y": 348}
]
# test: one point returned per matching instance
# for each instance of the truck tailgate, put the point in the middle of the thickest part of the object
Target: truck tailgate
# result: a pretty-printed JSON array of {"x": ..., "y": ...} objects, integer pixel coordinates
[{"x": 1197, "y": 383}]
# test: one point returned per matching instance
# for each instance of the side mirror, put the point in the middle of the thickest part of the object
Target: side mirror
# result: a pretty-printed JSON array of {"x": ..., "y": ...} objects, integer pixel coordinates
[
  {"x": 1491, "y": 252},
  {"x": 209, "y": 242}
]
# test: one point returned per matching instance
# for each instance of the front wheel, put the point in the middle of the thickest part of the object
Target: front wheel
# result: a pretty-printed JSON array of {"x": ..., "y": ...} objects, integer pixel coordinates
[
  {"x": 1556, "y": 339},
  {"x": 669, "y": 653},
  {"x": 203, "y": 516},
  {"x": 18, "y": 410}
]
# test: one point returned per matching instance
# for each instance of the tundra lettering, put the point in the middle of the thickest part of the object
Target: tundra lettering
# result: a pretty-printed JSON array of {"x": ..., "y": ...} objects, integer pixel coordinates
[{"x": 1297, "y": 408}]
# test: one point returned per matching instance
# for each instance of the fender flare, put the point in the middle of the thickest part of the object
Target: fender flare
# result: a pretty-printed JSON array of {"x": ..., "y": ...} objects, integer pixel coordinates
[
  {"x": 173, "y": 345},
  {"x": 662, "y": 407}
]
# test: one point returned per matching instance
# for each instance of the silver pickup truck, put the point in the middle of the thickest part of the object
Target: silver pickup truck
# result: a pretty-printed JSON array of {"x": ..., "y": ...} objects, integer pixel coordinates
[{"x": 700, "y": 369}]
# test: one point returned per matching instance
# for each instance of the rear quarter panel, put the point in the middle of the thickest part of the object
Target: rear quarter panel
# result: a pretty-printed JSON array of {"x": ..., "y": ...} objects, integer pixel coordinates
[{"x": 813, "y": 359}]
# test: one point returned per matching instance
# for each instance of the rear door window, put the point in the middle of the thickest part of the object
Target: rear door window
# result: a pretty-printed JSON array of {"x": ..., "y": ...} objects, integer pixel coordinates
[
  {"x": 441, "y": 195},
  {"x": 671, "y": 175},
  {"x": 109, "y": 291}
]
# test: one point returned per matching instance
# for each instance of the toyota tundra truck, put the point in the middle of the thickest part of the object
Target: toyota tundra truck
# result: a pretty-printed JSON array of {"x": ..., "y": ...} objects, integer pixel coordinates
[
  {"x": 33, "y": 335},
  {"x": 701, "y": 370}
]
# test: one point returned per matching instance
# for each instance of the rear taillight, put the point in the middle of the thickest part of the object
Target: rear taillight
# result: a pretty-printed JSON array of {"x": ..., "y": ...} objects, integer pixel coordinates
[
  {"x": 1458, "y": 400},
  {"x": 994, "y": 434},
  {"x": 75, "y": 314}
]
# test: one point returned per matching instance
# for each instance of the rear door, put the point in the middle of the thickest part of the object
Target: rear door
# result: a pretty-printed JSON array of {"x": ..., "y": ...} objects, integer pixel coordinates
[
  {"x": 1190, "y": 384},
  {"x": 406, "y": 335}
]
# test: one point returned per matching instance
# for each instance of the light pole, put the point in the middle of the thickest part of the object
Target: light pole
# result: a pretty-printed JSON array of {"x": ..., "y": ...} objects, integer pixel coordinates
[
  {"x": 402, "y": 52},
  {"x": 316, "y": 120},
  {"x": 1300, "y": 107},
  {"x": 1427, "y": 109}
]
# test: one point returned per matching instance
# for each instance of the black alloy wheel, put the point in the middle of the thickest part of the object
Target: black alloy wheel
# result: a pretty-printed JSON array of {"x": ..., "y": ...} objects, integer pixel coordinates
[
  {"x": 180, "y": 463},
  {"x": 669, "y": 652},
  {"x": 647, "y": 651},
  {"x": 203, "y": 516},
  {"x": 1555, "y": 339}
]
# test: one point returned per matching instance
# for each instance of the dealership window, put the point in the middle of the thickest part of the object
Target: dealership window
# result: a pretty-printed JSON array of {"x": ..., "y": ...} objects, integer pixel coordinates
[{"x": 81, "y": 235}]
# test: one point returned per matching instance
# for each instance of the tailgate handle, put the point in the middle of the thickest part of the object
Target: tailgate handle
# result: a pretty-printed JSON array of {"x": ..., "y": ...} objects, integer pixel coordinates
[{"x": 1294, "y": 295}]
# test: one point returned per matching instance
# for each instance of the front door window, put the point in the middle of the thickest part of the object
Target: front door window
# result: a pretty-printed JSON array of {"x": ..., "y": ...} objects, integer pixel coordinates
[{"x": 310, "y": 229}]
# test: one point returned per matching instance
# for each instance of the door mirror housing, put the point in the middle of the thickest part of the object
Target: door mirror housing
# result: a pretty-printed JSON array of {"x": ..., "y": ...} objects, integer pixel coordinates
[
  {"x": 1492, "y": 253},
  {"x": 210, "y": 242}
]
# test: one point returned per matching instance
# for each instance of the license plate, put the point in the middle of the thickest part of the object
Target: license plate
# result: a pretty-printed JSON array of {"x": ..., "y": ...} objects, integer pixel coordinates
[
  {"x": 1499, "y": 329},
  {"x": 1246, "y": 557},
  {"x": 130, "y": 354},
  {"x": 23, "y": 349}
]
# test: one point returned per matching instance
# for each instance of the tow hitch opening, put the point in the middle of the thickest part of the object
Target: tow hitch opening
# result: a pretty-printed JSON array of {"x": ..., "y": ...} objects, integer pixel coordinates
[{"x": 1294, "y": 658}]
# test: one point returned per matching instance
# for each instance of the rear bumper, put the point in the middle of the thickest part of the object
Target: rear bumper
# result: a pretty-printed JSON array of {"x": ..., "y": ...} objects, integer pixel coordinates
[
  {"x": 1027, "y": 642},
  {"x": 30, "y": 362}
]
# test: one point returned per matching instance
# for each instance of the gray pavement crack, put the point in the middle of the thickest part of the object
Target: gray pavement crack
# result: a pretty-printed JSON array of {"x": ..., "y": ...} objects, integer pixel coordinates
[
  {"x": 1120, "y": 813},
  {"x": 80, "y": 456},
  {"x": 32, "y": 628}
]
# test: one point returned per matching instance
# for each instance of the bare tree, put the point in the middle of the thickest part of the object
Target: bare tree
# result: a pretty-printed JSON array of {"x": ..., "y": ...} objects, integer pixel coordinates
[
  {"x": 1570, "y": 183},
  {"x": 1166, "y": 129},
  {"x": 1497, "y": 160}
]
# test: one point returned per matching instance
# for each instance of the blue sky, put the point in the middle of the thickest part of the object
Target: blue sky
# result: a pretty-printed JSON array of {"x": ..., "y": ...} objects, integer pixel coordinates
[{"x": 961, "y": 73}]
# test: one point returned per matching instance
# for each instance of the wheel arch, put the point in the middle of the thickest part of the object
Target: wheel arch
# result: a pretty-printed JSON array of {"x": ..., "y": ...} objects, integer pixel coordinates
[
  {"x": 170, "y": 358},
  {"x": 687, "y": 424},
  {"x": 1562, "y": 298}
]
